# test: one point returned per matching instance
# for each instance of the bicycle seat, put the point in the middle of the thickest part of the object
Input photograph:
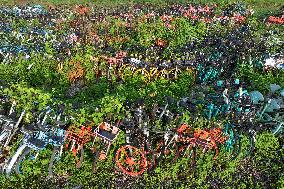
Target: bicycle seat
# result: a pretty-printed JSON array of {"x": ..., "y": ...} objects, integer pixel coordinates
[
  {"x": 274, "y": 87},
  {"x": 282, "y": 92},
  {"x": 106, "y": 134},
  {"x": 273, "y": 105}
]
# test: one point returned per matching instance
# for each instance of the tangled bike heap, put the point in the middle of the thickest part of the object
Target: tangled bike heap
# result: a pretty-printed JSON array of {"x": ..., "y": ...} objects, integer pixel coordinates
[
  {"x": 245, "y": 113},
  {"x": 66, "y": 31},
  {"x": 232, "y": 111}
]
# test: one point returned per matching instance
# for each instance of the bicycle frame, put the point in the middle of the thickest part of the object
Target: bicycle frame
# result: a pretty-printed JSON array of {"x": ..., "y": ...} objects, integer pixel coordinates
[
  {"x": 133, "y": 153},
  {"x": 190, "y": 140},
  {"x": 234, "y": 139},
  {"x": 264, "y": 117},
  {"x": 36, "y": 140},
  {"x": 278, "y": 128},
  {"x": 107, "y": 133},
  {"x": 78, "y": 137}
]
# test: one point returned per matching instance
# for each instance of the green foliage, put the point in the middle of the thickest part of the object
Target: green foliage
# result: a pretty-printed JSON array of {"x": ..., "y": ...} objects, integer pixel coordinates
[
  {"x": 25, "y": 98},
  {"x": 261, "y": 81},
  {"x": 267, "y": 144}
]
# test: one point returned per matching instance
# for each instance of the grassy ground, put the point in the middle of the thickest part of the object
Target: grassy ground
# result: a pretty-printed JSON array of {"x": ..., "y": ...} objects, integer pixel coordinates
[{"x": 261, "y": 7}]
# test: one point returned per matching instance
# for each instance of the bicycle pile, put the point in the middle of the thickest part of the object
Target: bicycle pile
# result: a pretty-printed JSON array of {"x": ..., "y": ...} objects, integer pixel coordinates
[
  {"x": 58, "y": 33},
  {"x": 231, "y": 110},
  {"x": 108, "y": 51}
]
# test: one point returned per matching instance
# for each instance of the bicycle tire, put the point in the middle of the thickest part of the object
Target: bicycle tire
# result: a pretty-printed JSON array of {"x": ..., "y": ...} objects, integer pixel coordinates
[
  {"x": 174, "y": 73},
  {"x": 153, "y": 72},
  {"x": 121, "y": 71},
  {"x": 130, "y": 161},
  {"x": 144, "y": 73},
  {"x": 96, "y": 157},
  {"x": 51, "y": 161},
  {"x": 164, "y": 74},
  {"x": 79, "y": 163},
  {"x": 237, "y": 147},
  {"x": 20, "y": 159},
  {"x": 278, "y": 128}
]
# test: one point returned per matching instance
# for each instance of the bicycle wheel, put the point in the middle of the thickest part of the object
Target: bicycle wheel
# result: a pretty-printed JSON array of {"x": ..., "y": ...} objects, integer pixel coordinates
[
  {"x": 252, "y": 140},
  {"x": 236, "y": 147},
  {"x": 125, "y": 71},
  {"x": 174, "y": 73},
  {"x": 278, "y": 128},
  {"x": 80, "y": 161},
  {"x": 21, "y": 159},
  {"x": 51, "y": 162},
  {"x": 131, "y": 160},
  {"x": 153, "y": 73},
  {"x": 96, "y": 152},
  {"x": 145, "y": 76},
  {"x": 164, "y": 74}
]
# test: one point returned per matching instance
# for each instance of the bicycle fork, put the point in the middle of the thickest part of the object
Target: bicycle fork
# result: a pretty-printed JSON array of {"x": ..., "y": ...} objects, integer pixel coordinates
[
  {"x": 15, "y": 128},
  {"x": 278, "y": 129}
]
